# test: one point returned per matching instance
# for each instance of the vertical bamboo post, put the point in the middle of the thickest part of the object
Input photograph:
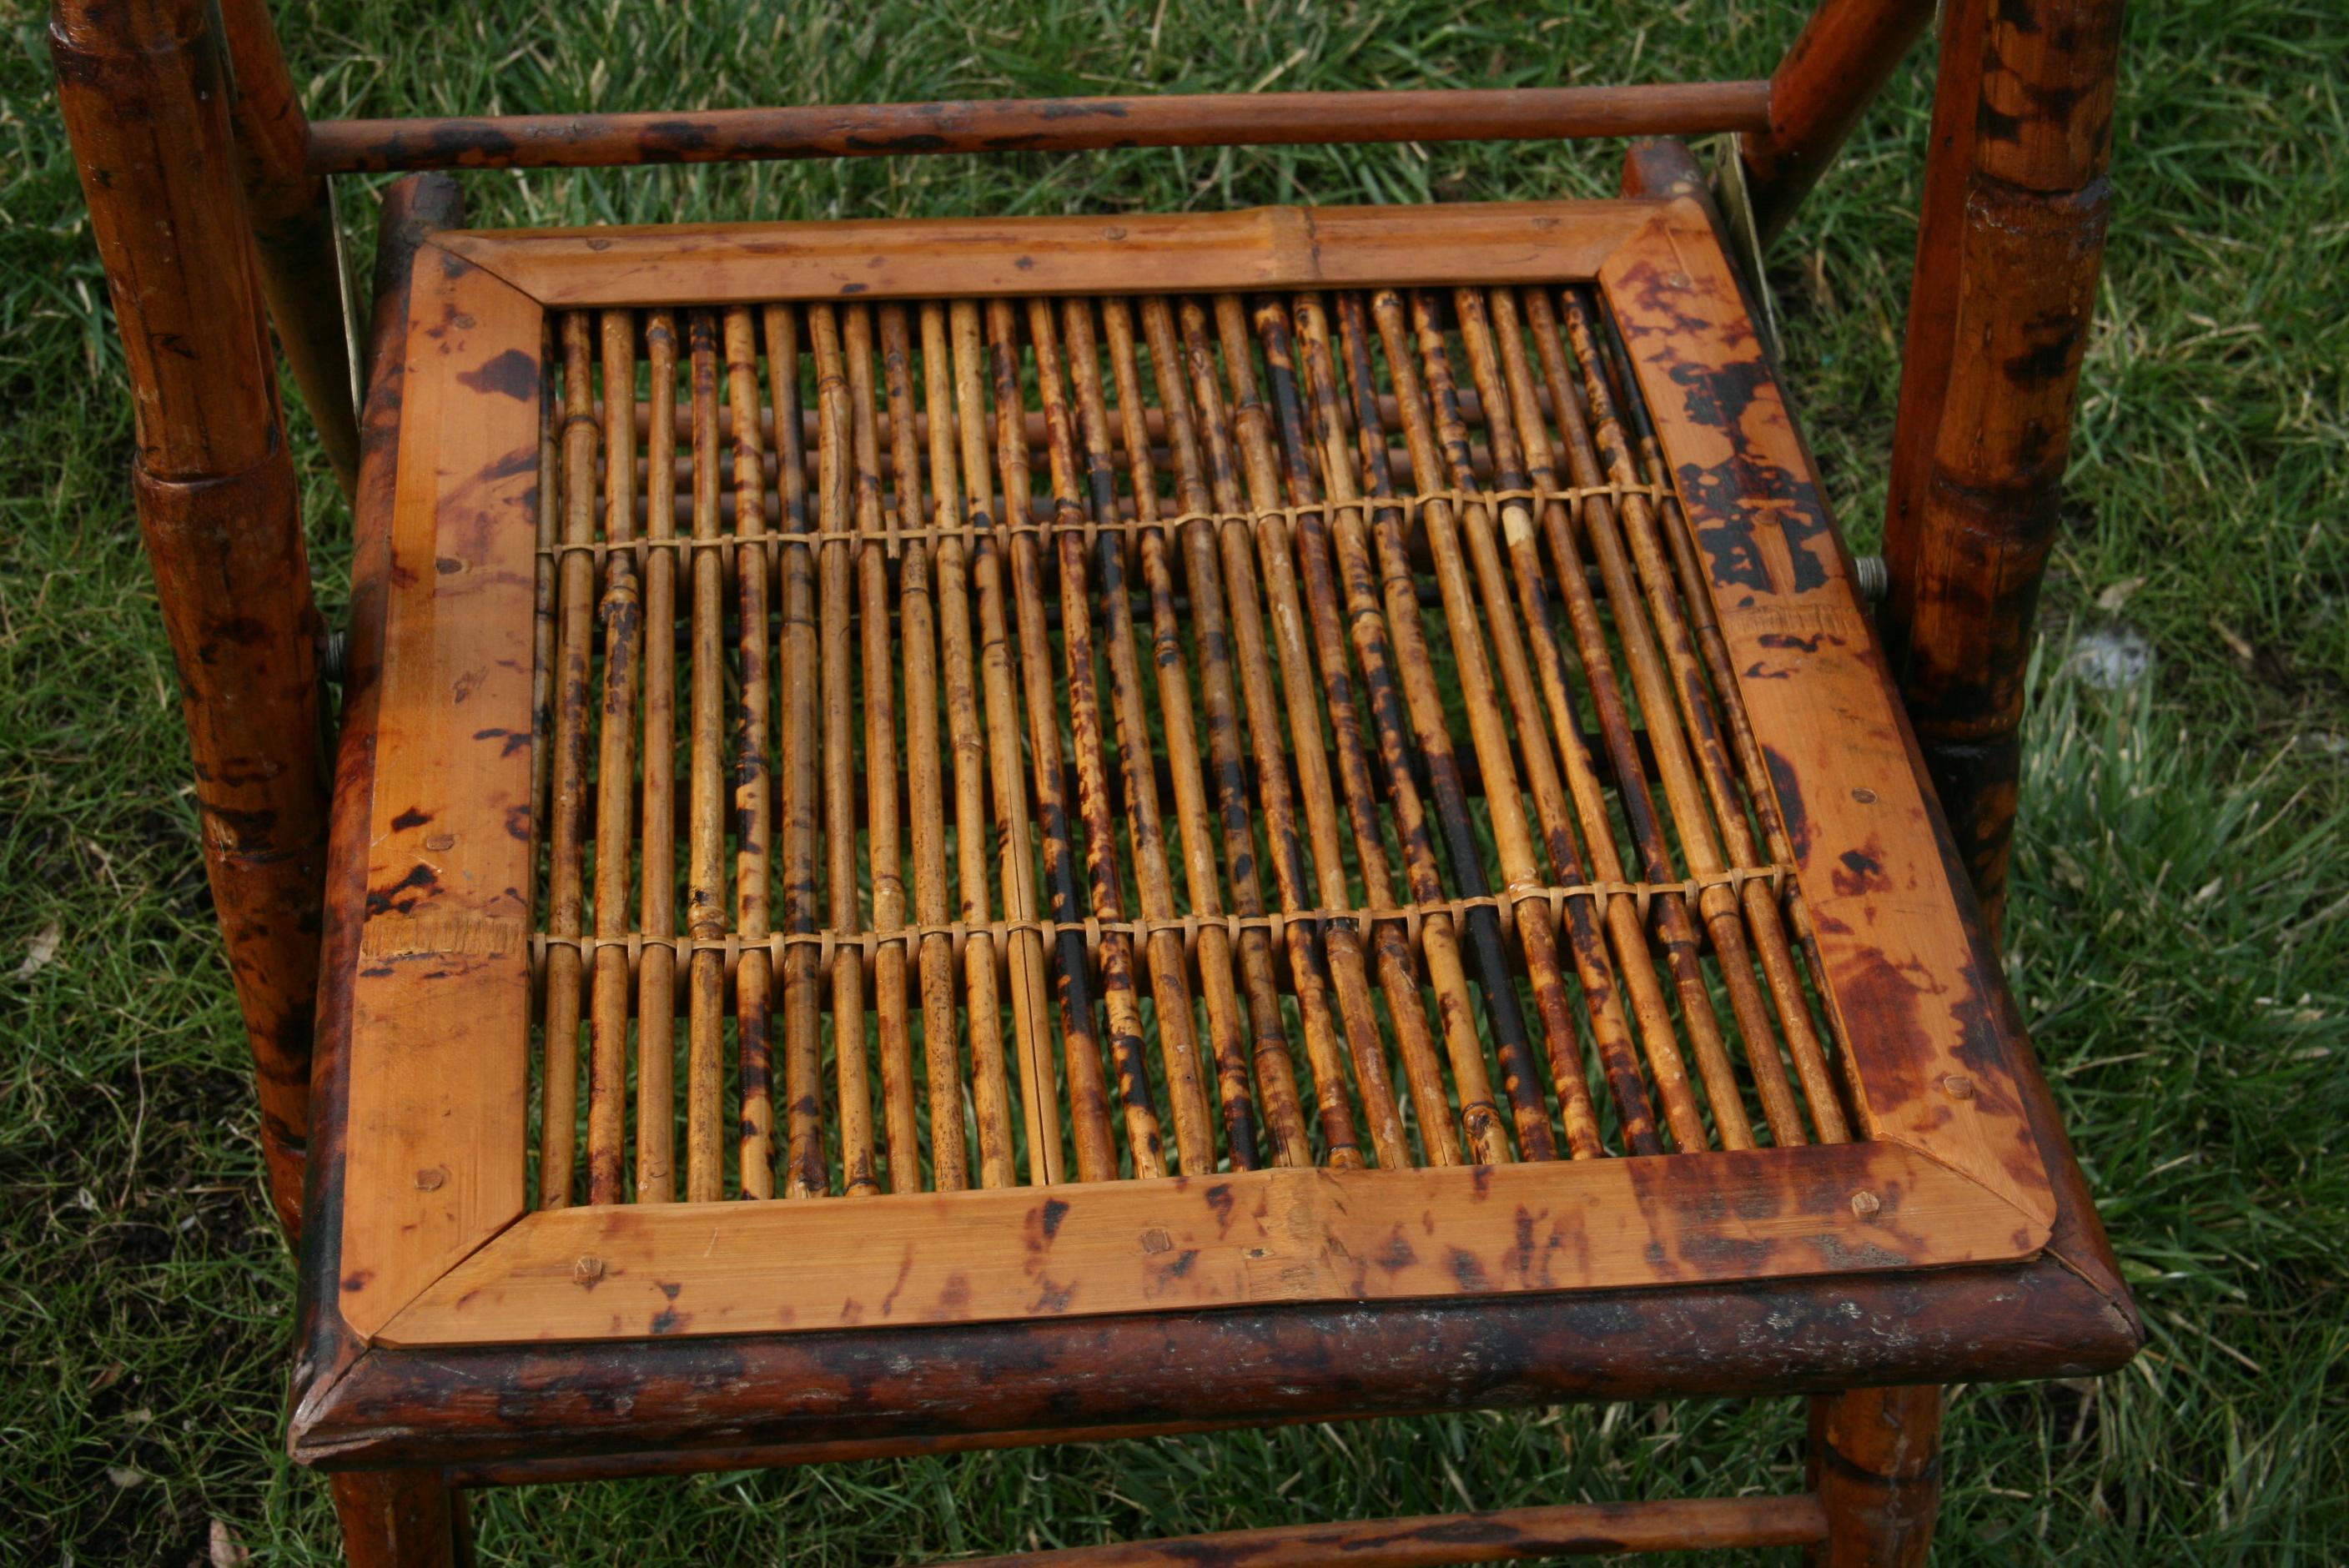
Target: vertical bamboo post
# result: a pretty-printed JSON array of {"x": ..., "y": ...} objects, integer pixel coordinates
[
  {"x": 1845, "y": 54},
  {"x": 294, "y": 238},
  {"x": 139, "y": 85},
  {"x": 2007, "y": 259},
  {"x": 1875, "y": 1460}
]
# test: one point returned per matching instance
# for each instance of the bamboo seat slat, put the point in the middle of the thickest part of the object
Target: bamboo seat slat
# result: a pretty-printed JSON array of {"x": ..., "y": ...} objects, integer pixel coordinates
[{"x": 1166, "y": 860}]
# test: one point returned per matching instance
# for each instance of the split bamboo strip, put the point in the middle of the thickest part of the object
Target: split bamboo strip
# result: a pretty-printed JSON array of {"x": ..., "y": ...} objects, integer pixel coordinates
[
  {"x": 753, "y": 791},
  {"x": 1186, "y": 1092},
  {"x": 925, "y": 805},
  {"x": 705, "y": 1177},
  {"x": 1273, "y": 752},
  {"x": 657, "y": 977},
  {"x": 621, "y": 612},
  {"x": 1227, "y": 1031},
  {"x": 990, "y": 1083},
  {"x": 576, "y": 610}
]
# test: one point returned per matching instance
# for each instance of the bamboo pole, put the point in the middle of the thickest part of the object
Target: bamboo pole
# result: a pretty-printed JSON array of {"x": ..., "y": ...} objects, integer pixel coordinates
[
  {"x": 622, "y": 613},
  {"x": 989, "y": 1080},
  {"x": 885, "y": 858},
  {"x": 925, "y": 798},
  {"x": 1038, "y": 125},
  {"x": 706, "y": 852},
  {"x": 656, "y": 909},
  {"x": 1847, "y": 51},
  {"x": 753, "y": 791}
]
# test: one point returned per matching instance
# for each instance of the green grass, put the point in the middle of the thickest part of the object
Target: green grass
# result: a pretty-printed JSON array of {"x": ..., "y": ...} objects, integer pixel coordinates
[{"x": 2180, "y": 931}]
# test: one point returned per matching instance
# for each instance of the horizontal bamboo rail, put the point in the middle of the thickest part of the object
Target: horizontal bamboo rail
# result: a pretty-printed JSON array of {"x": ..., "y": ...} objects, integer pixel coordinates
[
  {"x": 1564, "y": 1529},
  {"x": 1038, "y": 125}
]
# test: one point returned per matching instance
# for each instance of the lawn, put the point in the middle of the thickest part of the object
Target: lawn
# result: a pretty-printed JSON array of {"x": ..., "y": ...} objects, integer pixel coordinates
[{"x": 2180, "y": 929}]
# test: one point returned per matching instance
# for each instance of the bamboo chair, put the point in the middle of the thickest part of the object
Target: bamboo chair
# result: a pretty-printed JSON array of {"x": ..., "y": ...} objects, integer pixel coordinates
[{"x": 1613, "y": 1018}]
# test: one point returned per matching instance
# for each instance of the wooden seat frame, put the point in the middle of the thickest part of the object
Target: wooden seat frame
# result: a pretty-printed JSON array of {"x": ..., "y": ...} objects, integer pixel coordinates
[{"x": 444, "y": 1343}]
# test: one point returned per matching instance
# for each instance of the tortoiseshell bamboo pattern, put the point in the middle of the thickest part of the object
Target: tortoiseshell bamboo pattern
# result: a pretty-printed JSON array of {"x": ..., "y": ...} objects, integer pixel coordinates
[{"x": 968, "y": 780}]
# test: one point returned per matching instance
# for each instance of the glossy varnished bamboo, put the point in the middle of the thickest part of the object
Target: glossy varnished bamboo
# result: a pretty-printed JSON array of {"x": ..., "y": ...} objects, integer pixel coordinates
[
  {"x": 706, "y": 887},
  {"x": 1833, "y": 70},
  {"x": 656, "y": 974},
  {"x": 621, "y": 612}
]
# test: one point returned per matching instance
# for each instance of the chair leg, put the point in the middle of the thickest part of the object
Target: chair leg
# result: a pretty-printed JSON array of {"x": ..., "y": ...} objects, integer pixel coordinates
[
  {"x": 401, "y": 1519},
  {"x": 1876, "y": 1464}
]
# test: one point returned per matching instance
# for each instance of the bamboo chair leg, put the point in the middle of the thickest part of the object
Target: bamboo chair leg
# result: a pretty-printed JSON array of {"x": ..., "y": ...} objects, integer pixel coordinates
[
  {"x": 2008, "y": 255},
  {"x": 401, "y": 1519},
  {"x": 1876, "y": 1464}
]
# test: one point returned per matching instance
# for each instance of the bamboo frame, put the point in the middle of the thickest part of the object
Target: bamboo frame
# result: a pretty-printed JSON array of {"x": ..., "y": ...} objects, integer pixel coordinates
[{"x": 1264, "y": 556}]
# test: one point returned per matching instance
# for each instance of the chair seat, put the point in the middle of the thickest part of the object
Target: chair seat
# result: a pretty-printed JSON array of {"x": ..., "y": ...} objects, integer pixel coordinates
[{"x": 953, "y": 797}]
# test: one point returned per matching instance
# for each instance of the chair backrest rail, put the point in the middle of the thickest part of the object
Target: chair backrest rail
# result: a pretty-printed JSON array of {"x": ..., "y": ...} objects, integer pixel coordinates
[{"x": 1038, "y": 125}]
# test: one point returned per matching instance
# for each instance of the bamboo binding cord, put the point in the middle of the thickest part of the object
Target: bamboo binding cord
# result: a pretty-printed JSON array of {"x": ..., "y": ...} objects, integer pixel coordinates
[{"x": 1024, "y": 641}]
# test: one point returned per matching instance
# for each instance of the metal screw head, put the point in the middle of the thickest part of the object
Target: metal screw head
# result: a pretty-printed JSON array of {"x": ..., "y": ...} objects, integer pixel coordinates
[
  {"x": 1864, "y": 1204},
  {"x": 1864, "y": 795},
  {"x": 587, "y": 1271},
  {"x": 1959, "y": 1086}
]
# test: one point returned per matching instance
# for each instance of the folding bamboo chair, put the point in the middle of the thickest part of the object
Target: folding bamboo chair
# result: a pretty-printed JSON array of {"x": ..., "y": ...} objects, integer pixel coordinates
[{"x": 1142, "y": 823}]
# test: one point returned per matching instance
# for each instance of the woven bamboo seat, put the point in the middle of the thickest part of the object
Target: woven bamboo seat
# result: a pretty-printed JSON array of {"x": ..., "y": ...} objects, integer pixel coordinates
[{"x": 968, "y": 831}]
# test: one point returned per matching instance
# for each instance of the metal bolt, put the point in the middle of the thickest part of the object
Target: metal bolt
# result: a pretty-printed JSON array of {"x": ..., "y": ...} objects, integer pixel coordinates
[
  {"x": 1864, "y": 795},
  {"x": 1864, "y": 1204},
  {"x": 1960, "y": 1086}
]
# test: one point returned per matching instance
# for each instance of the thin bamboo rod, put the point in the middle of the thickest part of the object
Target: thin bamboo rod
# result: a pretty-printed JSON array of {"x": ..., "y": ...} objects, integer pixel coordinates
[
  {"x": 1847, "y": 51},
  {"x": 1226, "y": 1029},
  {"x": 925, "y": 800},
  {"x": 835, "y": 505},
  {"x": 1611, "y": 1025},
  {"x": 1675, "y": 600},
  {"x": 621, "y": 612},
  {"x": 1088, "y": 1092},
  {"x": 1373, "y": 649},
  {"x": 1634, "y": 960},
  {"x": 1275, "y": 1073},
  {"x": 989, "y": 1082},
  {"x": 1675, "y": 933},
  {"x": 1828, "y": 1118},
  {"x": 1481, "y": 1118},
  {"x": 1187, "y": 1091},
  {"x": 1512, "y": 840},
  {"x": 803, "y": 984},
  {"x": 706, "y": 888},
  {"x": 1684, "y": 791},
  {"x": 656, "y": 910},
  {"x": 1071, "y": 980},
  {"x": 1038, "y": 125},
  {"x": 753, "y": 789},
  {"x": 883, "y": 844},
  {"x": 576, "y": 610},
  {"x": 1275, "y": 540},
  {"x": 1272, "y": 748},
  {"x": 1127, "y": 1053}
]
